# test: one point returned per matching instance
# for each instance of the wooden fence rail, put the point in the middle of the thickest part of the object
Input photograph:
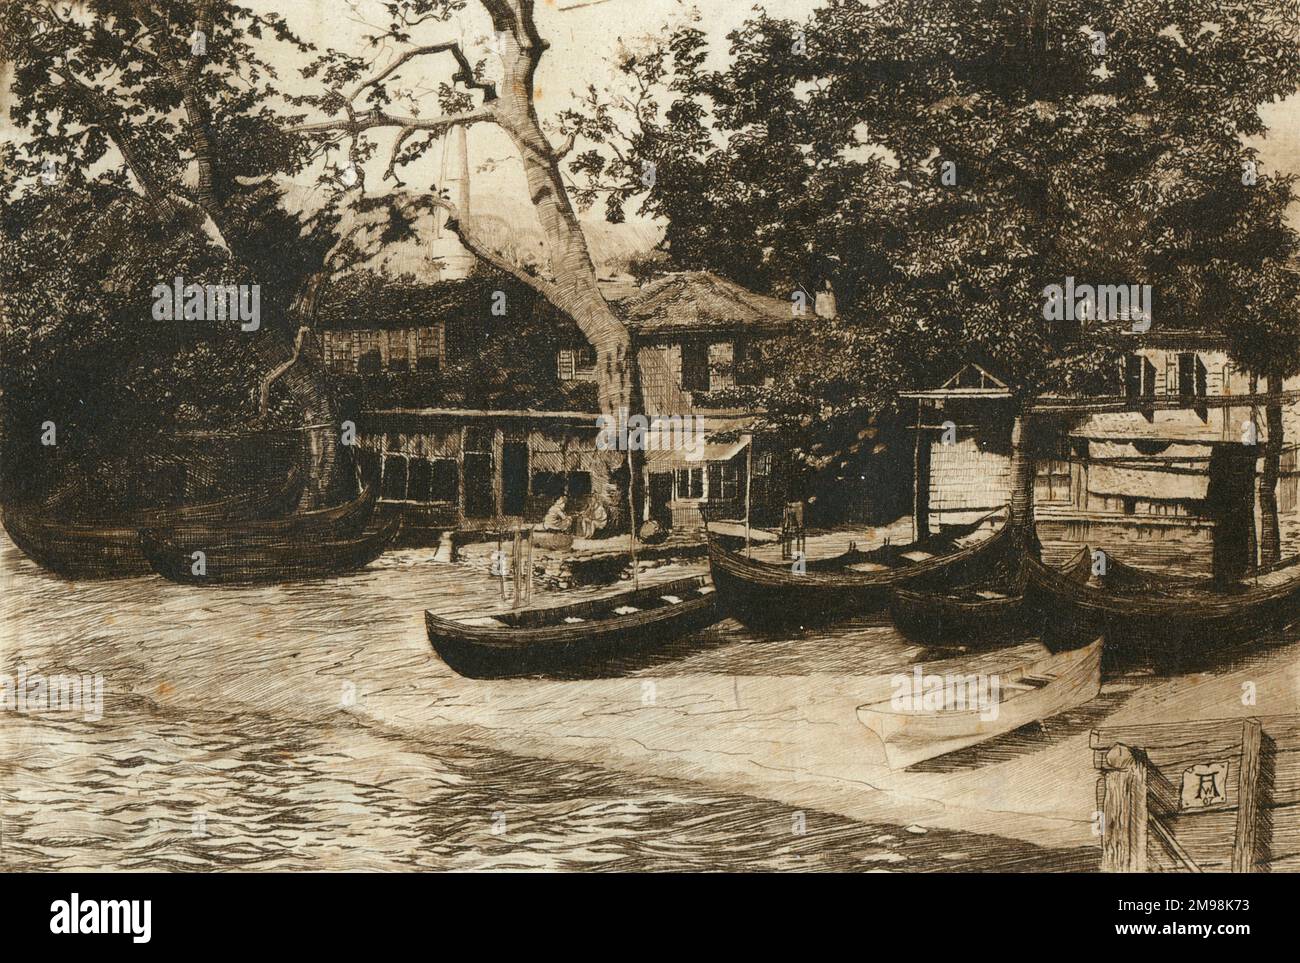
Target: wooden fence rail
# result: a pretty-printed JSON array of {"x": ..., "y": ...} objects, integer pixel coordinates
[{"x": 1211, "y": 796}]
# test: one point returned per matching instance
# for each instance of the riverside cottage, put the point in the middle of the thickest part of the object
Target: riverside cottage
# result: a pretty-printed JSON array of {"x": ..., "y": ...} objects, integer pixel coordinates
[
  {"x": 1168, "y": 470},
  {"x": 453, "y": 467}
]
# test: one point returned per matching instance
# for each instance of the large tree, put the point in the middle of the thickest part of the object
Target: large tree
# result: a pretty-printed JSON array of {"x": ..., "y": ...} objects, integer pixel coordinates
[
  {"x": 944, "y": 161},
  {"x": 174, "y": 102},
  {"x": 497, "y": 90}
]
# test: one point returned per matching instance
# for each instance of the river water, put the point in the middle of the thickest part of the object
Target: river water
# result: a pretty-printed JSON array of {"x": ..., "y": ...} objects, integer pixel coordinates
[{"x": 311, "y": 727}]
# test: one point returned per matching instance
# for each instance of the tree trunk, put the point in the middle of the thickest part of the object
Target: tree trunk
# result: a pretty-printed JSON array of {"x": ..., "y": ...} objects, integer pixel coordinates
[
  {"x": 1022, "y": 473},
  {"x": 1270, "y": 535},
  {"x": 573, "y": 288},
  {"x": 575, "y": 291}
]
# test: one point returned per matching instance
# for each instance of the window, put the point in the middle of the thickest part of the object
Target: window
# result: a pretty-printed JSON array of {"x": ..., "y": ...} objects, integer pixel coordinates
[
  {"x": 1139, "y": 377},
  {"x": 395, "y": 473},
  {"x": 368, "y": 358},
  {"x": 399, "y": 358},
  {"x": 690, "y": 482},
  {"x": 417, "y": 485},
  {"x": 338, "y": 350},
  {"x": 565, "y": 366},
  {"x": 763, "y": 464},
  {"x": 731, "y": 481},
  {"x": 1191, "y": 375},
  {"x": 584, "y": 361},
  {"x": 740, "y": 356},
  {"x": 724, "y": 482},
  {"x": 444, "y": 476},
  {"x": 695, "y": 366},
  {"x": 428, "y": 348},
  {"x": 1053, "y": 482}
]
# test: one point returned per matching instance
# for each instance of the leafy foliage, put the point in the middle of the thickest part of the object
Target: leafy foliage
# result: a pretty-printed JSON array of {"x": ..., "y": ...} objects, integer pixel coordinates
[{"x": 1098, "y": 139}]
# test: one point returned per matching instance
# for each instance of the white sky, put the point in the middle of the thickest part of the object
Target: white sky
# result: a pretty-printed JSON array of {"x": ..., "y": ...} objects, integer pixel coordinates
[{"x": 584, "y": 35}]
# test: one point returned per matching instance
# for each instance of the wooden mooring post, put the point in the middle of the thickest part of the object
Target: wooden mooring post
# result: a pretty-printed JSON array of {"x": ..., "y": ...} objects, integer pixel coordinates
[{"x": 1124, "y": 812}]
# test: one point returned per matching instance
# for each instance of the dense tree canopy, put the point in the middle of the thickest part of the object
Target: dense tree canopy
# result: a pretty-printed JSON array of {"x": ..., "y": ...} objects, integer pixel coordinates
[{"x": 943, "y": 161}]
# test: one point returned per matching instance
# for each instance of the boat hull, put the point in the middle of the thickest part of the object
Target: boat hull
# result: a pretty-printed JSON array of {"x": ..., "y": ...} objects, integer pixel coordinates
[
  {"x": 939, "y": 618},
  {"x": 768, "y": 595},
  {"x": 481, "y": 651},
  {"x": 933, "y": 619},
  {"x": 1172, "y": 621},
  {"x": 110, "y": 548},
  {"x": 280, "y": 558},
  {"x": 912, "y": 737}
]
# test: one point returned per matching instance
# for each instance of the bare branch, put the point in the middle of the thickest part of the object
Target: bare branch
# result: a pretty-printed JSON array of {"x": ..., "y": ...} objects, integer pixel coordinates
[
  {"x": 562, "y": 151},
  {"x": 378, "y": 118},
  {"x": 464, "y": 71}
]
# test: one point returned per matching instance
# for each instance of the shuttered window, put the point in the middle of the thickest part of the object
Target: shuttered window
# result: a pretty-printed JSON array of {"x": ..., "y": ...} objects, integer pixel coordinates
[{"x": 565, "y": 367}]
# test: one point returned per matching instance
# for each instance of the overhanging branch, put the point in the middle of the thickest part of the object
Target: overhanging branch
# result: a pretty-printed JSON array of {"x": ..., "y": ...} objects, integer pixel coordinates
[{"x": 464, "y": 230}]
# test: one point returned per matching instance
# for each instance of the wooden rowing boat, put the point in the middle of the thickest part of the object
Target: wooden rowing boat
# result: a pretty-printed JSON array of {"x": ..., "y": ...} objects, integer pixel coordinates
[
  {"x": 1030, "y": 692},
  {"x": 556, "y": 640},
  {"x": 1165, "y": 617},
  {"x": 988, "y": 612},
  {"x": 101, "y": 548},
  {"x": 779, "y": 594},
  {"x": 346, "y": 520},
  {"x": 279, "y": 557}
]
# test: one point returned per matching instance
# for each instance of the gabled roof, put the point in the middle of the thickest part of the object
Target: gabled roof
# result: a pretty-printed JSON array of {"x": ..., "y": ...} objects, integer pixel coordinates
[
  {"x": 971, "y": 381},
  {"x": 697, "y": 300}
]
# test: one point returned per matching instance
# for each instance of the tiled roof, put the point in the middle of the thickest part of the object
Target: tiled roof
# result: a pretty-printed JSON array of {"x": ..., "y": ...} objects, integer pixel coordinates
[{"x": 699, "y": 299}]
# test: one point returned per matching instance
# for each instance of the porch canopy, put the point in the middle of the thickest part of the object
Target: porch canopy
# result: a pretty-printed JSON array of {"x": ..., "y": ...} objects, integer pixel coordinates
[
  {"x": 668, "y": 459},
  {"x": 697, "y": 440}
]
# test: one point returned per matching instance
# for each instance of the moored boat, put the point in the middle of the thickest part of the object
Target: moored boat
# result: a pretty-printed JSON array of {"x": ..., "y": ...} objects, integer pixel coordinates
[
  {"x": 580, "y": 634},
  {"x": 345, "y": 520},
  {"x": 1029, "y": 692},
  {"x": 278, "y": 557},
  {"x": 779, "y": 594},
  {"x": 1168, "y": 618},
  {"x": 101, "y": 548},
  {"x": 992, "y": 611}
]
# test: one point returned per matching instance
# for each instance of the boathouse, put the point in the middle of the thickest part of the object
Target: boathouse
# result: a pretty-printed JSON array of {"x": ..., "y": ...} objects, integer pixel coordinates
[{"x": 1166, "y": 471}]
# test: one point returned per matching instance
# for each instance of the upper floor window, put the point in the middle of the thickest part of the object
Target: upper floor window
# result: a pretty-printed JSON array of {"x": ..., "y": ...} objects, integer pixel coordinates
[
  {"x": 338, "y": 350},
  {"x": 399, "y": 355},
  {"x": 576, "y": 363},
  {"x": 695, "y": 365},
  {"x": 1191, "y": 375},
  {"x": 1139, "y": 377},
  {"x": 428, "y": 347}
]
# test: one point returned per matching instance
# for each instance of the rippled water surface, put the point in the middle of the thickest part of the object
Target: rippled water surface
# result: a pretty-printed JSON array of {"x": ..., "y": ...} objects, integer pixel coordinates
[{"x": 311, "y": 727}]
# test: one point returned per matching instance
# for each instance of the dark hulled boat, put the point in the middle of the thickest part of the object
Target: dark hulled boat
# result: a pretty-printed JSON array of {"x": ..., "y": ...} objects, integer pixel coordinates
[
  {"x": 100, "y": 548},
  {"x": 255, "y": 558},
  {"x": 1166, "y": 618},
  {"x": 556, "y": 640},
  {"x": 992, "y": 612},
  {"x": 777, "y": 594},
  {"x": 346, "y": 520}
]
